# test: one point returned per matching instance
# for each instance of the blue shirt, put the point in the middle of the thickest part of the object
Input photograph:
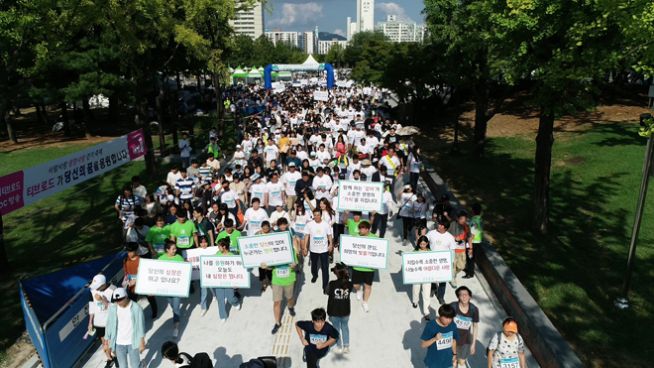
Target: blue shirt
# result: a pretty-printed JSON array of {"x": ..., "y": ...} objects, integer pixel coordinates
[{"x": 439, "y": 355}]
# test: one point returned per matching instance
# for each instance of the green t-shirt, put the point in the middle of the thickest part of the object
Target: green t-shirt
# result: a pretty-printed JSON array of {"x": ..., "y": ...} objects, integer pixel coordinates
[
  {"x": 476, "y": 229},
  {"x": 233, "y": 239},
  {"x": 366, "y": 269},
  {"x": 353, "y": 227},
  {"x": 183, "y": 233},
  {"x": 284, "y": 275},
  {"x": 175, "y": 258},
  {"x": 157, "y": 236}
]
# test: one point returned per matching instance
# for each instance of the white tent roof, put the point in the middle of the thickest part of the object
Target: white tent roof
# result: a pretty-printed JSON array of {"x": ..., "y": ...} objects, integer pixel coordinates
[{"x": 310, "y": 61}]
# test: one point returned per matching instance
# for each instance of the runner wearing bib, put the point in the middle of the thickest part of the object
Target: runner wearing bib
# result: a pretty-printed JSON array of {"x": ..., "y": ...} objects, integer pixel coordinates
[
  {"x": 439, "y": 338},
  {"x": 467, "y": 322},
  {"x": 507, "y": 348}
]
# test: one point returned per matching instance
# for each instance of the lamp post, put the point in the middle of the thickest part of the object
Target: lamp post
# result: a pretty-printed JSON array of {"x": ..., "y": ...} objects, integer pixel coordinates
[{"x": 647, "y": 131}]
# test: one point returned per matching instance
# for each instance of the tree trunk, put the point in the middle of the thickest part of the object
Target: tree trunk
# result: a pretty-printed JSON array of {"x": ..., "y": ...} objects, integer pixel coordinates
[
  {"x": 481, "y": 118},
  {"x": 160, "y": 119},
  {"x": 220, "y": 108},
  {"x": 64, "y": 119},
  {"x": 113, "y": 109},
  {"x": 6, "y": 120},
  {"x": 39, "y": 115},
  {"x": 542, "y": 168},
  {"x": 86, "y": 113},
  {"x": 4, "y": 260},
  {"x": 141, "y": 122}
]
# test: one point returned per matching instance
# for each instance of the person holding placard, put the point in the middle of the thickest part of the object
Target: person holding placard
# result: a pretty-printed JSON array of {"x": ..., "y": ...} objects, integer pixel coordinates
[
  {"x": 183, "y": 232},
  {"x": 441, "y": 239},
  {"x": 318, "y": 241},
  {"x": 363, "y": 275},
  {"x": 283, "y": 283},
  {"x": 130, "y": 269},
  {"x": 461, "y": 232},
  {"x": 380, "y": 221},
  {"x": 171, "y": 255},
  {"x": 317, "y": 336},
  {"x": 467, "y": 322},
  {"x": 224, "y": 295},
  {"x": 265, "y": 274},
  {"x": 439, "y": 338},
  {"x": 422, "y": 245}
]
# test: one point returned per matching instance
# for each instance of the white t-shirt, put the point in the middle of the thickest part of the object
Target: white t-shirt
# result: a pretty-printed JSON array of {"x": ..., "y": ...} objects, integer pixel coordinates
[
  {"x": 391, "y": 163},
  {"x": 300, "y": 223},
  {"x": 289, "y": 179},
  {"x": 125, "y": 328},
  {"x": 387, "y": 202},
  {"x": 275, "y": 193},
  {"x": 321, "y": 186},
  {"x": 229, "y": 198},
  {"x": 276, "y": 215},
  {"x": 319, "y": 232},
  {"x": 254, "y": 219},
  {"x": 258, "y": 191},
  {"x": 98, "y": 309},
  {"x": 324, "y": 155},
  {"x": 270, "y": 152},
  {"x": 171, "y": 178},
  {"x": 438, "y": 241}
]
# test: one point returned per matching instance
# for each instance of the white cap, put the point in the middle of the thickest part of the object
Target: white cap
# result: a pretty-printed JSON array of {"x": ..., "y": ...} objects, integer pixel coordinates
[
  {"x": 291, "y": 164},
  {"x": 98, "y": 280},
  {"x": 119, "y": 293}
]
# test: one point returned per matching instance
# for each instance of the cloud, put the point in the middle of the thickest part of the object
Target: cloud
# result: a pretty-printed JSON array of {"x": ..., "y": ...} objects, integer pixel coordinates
[
  {"x": 339, "y": 32},
  {"x": 393, "y": 9},
  {"x": 298, "y": 14}
]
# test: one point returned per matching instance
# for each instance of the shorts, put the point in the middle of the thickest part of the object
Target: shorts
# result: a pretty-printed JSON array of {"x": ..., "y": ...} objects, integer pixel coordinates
[
  {"x": 359, "y": 277},
  {"x": 459, "y": 261},
  {"x": 462, "y": 351},
  {"x": 282, "y": 292},
  {"x": 99, "y": 331}
]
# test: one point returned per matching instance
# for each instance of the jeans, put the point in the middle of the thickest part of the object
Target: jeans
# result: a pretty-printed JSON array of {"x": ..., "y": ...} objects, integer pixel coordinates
[
  {"x": 426, "y": 299},
  {"x": 413, "y": 180},
  {"x": 341, "y": 325},
  {"x": 440, "y": 289},
  {"x": 323, "y": 258},
  {"x": 380, "y": 222},
  {"x": 186, "y": 162},
  {"x": 125, "y": 353},
  {"x": 175, "y": 302},
  {"x": 314, "y": 356},
  {"x": 407, "y": 225},
  {"x": 224, "y": 295}
]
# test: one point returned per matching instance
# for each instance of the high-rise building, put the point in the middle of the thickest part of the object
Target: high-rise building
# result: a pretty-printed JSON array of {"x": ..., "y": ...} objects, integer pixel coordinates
[
  {"x": 308, "y": 42},
  {"x": 289, "y": 38},
  {"x": 249, "y": 22},
  {"x": 401, "y": 31},
  {"x": 365, "y": 15},
  {"x": 325, "y": 46}
]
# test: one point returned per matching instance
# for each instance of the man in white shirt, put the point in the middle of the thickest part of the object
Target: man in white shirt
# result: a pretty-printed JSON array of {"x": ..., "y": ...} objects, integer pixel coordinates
[
  {"x": 323, "y": 154},
  {"x": 441, "y": 240},
  {"x": 318, "y": 241},
  {"x": 322, "y": 184},
  {"x": 274, "y": 193},
  {"x": 254, "y": 216},
  {"x": 258, "y": 189},
  {"x": 271, "y": 152},
  {"x": 125, "y": 330},
  {"x": 288, "y": 180}
]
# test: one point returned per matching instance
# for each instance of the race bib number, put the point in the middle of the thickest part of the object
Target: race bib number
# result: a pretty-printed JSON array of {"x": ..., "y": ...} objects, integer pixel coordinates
[
  {"x": 276, "y": 195},
  {"x": 445, "y": 342},
  {"x": 319, "y": 243},
  {"x": 183, "y": 241},
  {"x": 283, "y": 272},
  {"x": 509, "y": 362},
  {"x": 159, "y": 248},
  {"x": 463, "y": 322},
  {"x": 230, "y": 202},
  {"x": 315, "y": 339},
  {"x": 254, "y": 226}
]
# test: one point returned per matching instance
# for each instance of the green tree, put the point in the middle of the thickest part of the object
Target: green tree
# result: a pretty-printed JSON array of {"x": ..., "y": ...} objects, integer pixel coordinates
[
  {"x": 335, "y": 56},
  {"x": 368, "y": 53}
]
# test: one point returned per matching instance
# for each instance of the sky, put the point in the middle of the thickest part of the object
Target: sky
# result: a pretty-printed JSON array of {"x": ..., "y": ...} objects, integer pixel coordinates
[{"x": 330, "y": 15}]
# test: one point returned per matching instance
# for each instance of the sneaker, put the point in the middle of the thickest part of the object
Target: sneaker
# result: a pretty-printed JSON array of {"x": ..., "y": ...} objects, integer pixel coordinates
[
  {"x": 324, "y": 291},
  {"x": 237, "y": 294},
  {"x": 275, "y": 328},
  {"x": 365, "y": 307},
  {"x": 441, "y": 301},
  {"x": 313, "y": 279},
  {"x": 239, "y": 306},
  {"x": 109, "y": 364},
  {"x": 204, "y": 312},
  {"x": 175, "y": 333},
  {"x": 426, "y": 317},
  {"x": 338, "y": 350},
  {"x": 346, "y": 350},
  {"x": 359, "y": 294},
  {"x": 223, "y": 320},
  {"x": 115, "y": 360},
  {"x": 468, "y": 276},
  {"x": 404, "y": 242},
  {"x": 453, "y": 284},
  {"x": 291, "y": 311},
  {"x": 415, "y": 305}
]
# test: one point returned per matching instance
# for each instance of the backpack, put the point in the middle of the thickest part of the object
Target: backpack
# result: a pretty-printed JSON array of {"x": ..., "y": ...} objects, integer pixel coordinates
[
  {"x": 260, "y": 362},
  {"x": 199, "y": 360}
]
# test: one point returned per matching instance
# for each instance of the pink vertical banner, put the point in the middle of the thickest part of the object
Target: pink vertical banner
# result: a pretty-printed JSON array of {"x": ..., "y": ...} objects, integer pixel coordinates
[
  {"x": 136, "y": 144},
  {"x": 11, "y": 192}
]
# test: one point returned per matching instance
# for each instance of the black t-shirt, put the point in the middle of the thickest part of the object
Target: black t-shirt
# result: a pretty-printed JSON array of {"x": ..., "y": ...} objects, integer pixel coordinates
[
  {"x": 314, "y": 337},
  {"x": 338, "y": 304}
]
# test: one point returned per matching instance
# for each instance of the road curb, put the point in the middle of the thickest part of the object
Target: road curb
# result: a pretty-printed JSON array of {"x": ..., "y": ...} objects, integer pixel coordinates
[{"x": 545, "y": 342}]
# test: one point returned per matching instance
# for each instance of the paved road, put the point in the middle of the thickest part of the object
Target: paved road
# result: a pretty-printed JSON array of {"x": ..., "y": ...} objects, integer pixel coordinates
[{"x": 387, "y": 336}]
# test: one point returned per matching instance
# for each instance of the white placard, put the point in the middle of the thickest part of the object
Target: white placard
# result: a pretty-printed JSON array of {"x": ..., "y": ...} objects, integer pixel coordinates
[
  {"x": 193, "y": 257},
  {"x": 321, "y": 95},
  {"x": 278, "y": 87},
  {"x": 364, "y": 251},
  {"x": 223, "y": 272},
  {"x": 272, "y": 249},
  {"x": 359, "y": 196},
  {"x": 426, "y": 267},
  {"x": 163, "y": 278}
]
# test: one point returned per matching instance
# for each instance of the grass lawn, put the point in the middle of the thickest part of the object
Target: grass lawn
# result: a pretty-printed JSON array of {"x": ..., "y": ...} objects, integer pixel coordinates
[{"x": 576, "y": 271}]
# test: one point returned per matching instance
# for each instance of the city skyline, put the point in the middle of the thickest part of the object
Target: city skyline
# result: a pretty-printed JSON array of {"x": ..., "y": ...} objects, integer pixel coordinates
[{"x": 331, "y": 15}]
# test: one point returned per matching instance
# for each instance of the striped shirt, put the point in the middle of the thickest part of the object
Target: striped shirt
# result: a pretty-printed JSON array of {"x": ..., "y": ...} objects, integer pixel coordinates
[
  {"x": 205, "y": 173},
  {"x": 185, "y": 187}
]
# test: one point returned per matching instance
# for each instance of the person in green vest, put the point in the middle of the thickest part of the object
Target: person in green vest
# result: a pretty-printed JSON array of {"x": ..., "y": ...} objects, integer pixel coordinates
[
  {"x": 171, "y": 255},
  {"x": 232, "y": 234},
  {"x": 283, "y": 282},
  {"x": 363, "y": 275},
  {"x": 353, "y": 224},
  {"x": 477, "y": 231},
  {"x": 213, "y": 149},
  {"x": 183, "y": 232}
]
